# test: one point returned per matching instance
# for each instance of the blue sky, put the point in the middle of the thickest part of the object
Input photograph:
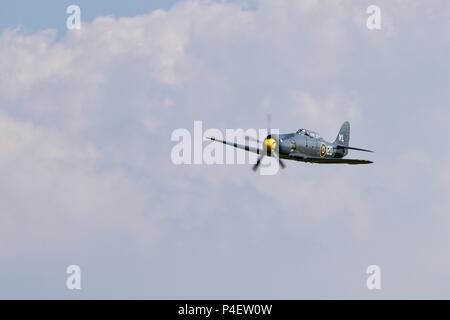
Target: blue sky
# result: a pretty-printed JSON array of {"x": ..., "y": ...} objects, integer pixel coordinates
[
  {"x": 50, "y": 13},
  {"x": 85, "y": 124}
]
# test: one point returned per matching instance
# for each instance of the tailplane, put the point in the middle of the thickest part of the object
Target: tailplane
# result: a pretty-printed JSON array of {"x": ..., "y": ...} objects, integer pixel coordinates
[{"x": 343, "y": 139}]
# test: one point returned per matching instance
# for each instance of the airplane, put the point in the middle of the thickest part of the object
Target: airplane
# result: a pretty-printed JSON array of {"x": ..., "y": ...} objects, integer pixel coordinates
[{"x": 303, "y": 145}]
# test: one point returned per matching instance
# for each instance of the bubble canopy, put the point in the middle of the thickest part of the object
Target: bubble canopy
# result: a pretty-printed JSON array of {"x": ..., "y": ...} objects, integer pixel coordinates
[{"x": 308, "y": 133}]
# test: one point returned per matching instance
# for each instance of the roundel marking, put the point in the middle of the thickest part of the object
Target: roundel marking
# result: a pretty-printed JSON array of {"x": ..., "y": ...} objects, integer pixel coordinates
[{"x": 323, "y": 150}]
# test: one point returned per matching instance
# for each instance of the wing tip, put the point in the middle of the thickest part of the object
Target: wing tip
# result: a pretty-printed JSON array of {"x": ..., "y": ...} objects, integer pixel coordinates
[{"x": 362, "y": 162}]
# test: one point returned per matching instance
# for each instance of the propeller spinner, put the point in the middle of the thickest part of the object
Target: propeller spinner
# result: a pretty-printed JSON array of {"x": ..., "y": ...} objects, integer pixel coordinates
[{"x": 269, "y": 145}]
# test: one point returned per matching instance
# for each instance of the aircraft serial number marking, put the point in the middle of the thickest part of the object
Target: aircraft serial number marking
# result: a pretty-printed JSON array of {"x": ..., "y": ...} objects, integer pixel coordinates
[{"x": 329, "y": 150}]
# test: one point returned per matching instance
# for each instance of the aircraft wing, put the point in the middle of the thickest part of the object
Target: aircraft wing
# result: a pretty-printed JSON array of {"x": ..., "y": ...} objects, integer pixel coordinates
[
  {"x": 344, "y": 161},
  {"x": 300, "y": 157},
  {"x": 239, "y": 146}
]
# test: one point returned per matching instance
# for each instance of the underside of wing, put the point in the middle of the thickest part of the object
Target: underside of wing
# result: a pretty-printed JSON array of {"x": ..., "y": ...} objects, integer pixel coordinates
[
  {"x": 337, "y": 161},
  {"x": 239, "y": 146},
  {"x": 300, "y": 157}
]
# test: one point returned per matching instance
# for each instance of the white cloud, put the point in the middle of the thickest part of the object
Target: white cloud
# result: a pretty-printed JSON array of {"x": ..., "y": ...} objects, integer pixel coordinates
[
  {"x": 54, "y": 189},
  {"x": 83, "y": 111},
  {"x": 324, "y": 113}
]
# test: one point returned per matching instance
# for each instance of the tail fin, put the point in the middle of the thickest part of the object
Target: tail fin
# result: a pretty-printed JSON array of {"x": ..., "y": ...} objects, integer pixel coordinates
[{"x": 343, "y": 137}]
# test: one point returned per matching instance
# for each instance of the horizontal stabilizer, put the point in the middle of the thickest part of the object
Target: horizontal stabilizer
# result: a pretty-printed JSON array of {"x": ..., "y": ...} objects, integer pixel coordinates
[{"x": 353, "y": 148}]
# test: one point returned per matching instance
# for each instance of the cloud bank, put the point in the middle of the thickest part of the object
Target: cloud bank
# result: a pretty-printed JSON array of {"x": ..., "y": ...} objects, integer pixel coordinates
[{"x": 85, "y": 124}]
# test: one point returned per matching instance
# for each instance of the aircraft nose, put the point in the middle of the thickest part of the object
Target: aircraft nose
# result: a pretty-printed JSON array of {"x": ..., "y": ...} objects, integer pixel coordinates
[{"x": 270, "y": 144}]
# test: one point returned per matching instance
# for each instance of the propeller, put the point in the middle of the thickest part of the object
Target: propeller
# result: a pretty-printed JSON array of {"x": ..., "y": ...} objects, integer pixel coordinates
[
  {"x": 258, "y": 162},
  {"x": 269, "y": 141}
]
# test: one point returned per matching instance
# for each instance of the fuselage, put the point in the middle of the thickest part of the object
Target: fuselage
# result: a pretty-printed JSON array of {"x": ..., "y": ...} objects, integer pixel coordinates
[{"x": 302, "y": 143}]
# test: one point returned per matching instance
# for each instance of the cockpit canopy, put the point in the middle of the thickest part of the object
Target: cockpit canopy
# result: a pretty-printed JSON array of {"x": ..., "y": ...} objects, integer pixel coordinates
[{"x": 308, "y": 133}]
